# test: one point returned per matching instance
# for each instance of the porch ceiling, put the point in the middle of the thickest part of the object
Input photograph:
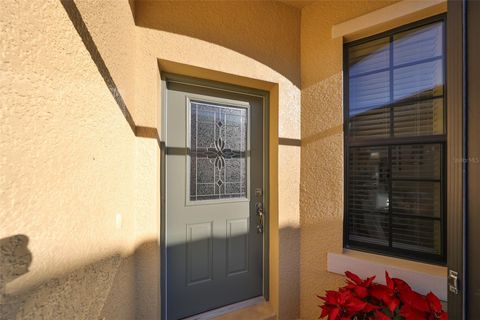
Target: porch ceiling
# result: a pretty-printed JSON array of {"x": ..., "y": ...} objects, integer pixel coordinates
[{"x": 300, "y": 4}]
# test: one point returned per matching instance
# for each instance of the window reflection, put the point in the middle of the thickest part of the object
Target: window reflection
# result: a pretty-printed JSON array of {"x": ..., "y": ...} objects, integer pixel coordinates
[
  {"x": 397, "y": 82},
  {"x": 396, "y": 92}
]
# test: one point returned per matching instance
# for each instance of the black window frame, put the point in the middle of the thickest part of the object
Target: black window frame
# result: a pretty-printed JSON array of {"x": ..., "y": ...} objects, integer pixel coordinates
[{"x": 395, "y": 141}]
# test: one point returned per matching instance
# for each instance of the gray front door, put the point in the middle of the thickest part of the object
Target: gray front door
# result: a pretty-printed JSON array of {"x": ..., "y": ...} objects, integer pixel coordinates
[{"x": 214, "y": 188}]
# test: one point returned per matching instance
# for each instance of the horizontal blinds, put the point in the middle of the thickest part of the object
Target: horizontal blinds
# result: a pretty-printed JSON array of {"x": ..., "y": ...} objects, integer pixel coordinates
[
  {"x": 396, "y": 85},
  {"x": 370, "y": 56},
  {"x": 418, "y": 44},
  {"x": 368, "y": 195},
  {"x": 394, "y": 191},
  {"x": 420, "y": 80},
  {"x": 419, "y": 118},
  {"x": 402, "y": 181}
]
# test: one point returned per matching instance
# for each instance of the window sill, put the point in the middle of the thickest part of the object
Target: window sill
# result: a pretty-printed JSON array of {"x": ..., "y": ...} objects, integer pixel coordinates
[{"x": 421, "y": 276}]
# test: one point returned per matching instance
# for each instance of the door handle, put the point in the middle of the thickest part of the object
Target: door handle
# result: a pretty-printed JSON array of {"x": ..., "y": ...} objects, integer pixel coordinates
[{"x": 259, "y": 207}]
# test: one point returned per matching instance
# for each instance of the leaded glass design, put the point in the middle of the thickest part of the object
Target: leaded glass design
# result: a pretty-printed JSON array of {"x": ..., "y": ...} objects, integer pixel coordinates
[{"x": 218, "y": 145}]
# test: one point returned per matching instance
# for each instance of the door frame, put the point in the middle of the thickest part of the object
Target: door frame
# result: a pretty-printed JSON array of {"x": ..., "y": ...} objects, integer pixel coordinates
[{"x": 226, "y": 87}]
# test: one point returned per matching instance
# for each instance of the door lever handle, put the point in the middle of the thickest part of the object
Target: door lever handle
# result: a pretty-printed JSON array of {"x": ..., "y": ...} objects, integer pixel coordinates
[{"x": 259, "y": 217}]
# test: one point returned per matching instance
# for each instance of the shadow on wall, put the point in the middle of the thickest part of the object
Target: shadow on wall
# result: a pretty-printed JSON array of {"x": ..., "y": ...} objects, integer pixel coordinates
[
  {"x": 15, "y": 259},
  {"x": 79, "y": 24},
  {"x": 104, "y": 289},
  {"x": 267, "y": 31},
  {"x": 289, "y": 270},
  {"x": 114, "y": 287}
]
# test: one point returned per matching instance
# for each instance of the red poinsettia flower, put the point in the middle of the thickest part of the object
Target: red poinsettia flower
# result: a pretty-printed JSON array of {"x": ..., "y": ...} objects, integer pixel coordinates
[
  {"x": 387, "y": 295},
  {"x": 341, "y": 305},
  {"x": 434, "y": 303},
  {"x": 414, "y": 300},
  {"x": 436, "y": 307},
  {"x": 398, "y": 292},
  {"x": 410, "y": 313},
  {"x": 408, "y": 297},
  {"x": 357, "y": 285},
  {"x": 364, "y": 299}
]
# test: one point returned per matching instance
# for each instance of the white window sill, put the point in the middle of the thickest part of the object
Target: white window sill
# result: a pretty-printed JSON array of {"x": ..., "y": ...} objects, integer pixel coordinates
[{"x": 421, "y": 277}]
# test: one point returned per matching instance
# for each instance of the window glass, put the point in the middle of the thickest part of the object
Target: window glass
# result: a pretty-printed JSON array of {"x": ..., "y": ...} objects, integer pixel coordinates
[
  {"x": 395, "y": 143},
  {"x": 370, "y": 56},
  {"x": 418, "y": 44},
  {"x": 368, "y": 195},
  {"x": 218, "y": 142}
]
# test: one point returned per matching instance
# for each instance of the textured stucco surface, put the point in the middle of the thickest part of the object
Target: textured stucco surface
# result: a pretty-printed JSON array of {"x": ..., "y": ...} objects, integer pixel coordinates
[
  {"x": 67, "y": 163},
  {"x": 147, "y": 224},
  {"x": 321, "y": 193},
  {"x": 111, "y": 25},
  {"x": 259, "y": 40}
]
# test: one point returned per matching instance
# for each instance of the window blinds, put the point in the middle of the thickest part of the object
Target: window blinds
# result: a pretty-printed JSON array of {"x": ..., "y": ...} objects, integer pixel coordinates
[{"x": 395, "y": 142}]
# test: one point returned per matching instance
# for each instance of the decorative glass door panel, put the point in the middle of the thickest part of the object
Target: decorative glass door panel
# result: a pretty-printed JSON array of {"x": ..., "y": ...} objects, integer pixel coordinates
[{"x": 218, "y": 140}]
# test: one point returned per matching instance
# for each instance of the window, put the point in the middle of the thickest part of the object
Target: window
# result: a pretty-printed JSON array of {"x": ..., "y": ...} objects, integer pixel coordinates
[
  {"x": 395, "y": 142},
  {"x": 218, "y": 144}
]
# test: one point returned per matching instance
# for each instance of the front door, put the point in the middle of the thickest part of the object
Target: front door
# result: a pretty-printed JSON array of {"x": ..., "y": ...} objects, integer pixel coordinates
[{"x": 214, "y": 199}]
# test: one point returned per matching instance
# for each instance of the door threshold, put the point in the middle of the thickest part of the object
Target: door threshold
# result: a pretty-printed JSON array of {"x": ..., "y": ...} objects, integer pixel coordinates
[{"x": 224, "y": 311}]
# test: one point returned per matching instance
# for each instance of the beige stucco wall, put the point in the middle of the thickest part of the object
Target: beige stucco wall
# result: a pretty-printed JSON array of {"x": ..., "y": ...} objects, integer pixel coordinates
[
  {"x": 68, "y": 164},
  {"x": 321, "y": 196},
  {"x": 112, "y": 28}
]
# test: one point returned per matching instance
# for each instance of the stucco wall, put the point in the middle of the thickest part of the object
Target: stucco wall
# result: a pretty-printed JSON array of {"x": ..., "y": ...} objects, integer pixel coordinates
[
  {"x": 321, "y": 195},
  {"x": 67, "y": 165},
  {"x": 112, "y": 27}
]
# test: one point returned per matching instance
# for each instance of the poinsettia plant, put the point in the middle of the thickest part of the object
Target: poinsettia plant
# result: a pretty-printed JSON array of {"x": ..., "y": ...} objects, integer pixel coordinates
[{"x": 368, "y": 300}]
